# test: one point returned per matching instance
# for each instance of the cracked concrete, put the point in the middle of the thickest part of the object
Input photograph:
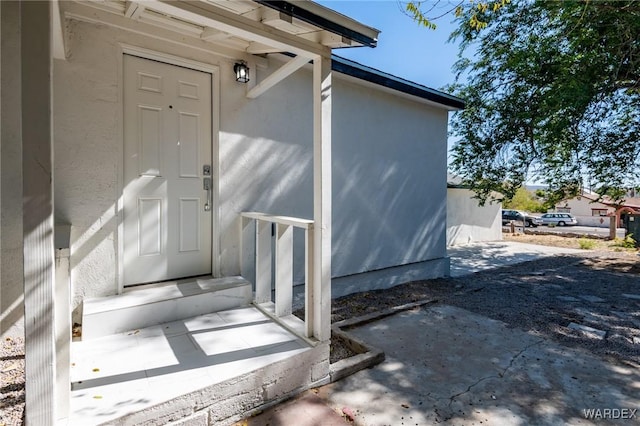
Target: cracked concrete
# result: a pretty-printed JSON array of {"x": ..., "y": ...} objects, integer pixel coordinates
[{"x": 448, "y": 365}]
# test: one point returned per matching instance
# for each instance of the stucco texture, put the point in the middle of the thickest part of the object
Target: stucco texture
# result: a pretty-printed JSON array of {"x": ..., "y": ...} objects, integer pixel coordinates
[
  {"x": 468, "y": 222},
  {"x": 11, "y": 231},
  {"x": 389, "y": 161}
]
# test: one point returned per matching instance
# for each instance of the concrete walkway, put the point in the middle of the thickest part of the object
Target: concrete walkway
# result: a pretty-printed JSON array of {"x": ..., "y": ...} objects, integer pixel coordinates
[
  {"x": 448, "y": 365},
  {"x": 471, "y": 258}
]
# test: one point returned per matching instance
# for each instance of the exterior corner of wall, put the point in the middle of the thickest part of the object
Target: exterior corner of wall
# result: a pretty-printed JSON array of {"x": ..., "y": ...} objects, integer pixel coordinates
[
  {"x": 321, "y": 369},
  {"x": 447, "y": 266}
]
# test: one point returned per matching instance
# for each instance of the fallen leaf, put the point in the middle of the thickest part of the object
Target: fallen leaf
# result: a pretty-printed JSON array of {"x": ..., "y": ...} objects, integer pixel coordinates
[
  {"x": 95, "y": 370},
  {"x": 97, "y": 396},
  {"x": 348, "y": 414}
]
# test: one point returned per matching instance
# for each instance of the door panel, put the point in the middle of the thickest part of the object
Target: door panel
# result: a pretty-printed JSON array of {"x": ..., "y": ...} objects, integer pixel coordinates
[{"x": 167, "y": 132}]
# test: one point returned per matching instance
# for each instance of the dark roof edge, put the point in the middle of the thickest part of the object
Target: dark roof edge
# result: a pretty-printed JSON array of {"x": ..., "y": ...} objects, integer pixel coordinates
[
  {"x": 307, "y": 16},
  {"x": 363, "y": 72}
]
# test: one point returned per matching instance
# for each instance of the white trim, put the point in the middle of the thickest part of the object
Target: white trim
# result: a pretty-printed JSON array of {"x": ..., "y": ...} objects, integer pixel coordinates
[
  {"x": 214, "y": 71},
  {"x": 57, "y": 29},
  {"x": 377, "y": 87},
  {"x": 277, "y": 76},
  {"x": 168, "y": 58},
  {"x": 322, "y": 101},
  {"x": 89, "y": 13},
  {"x": 209, "y": 15},
  {"x": 120, "y": 183}
]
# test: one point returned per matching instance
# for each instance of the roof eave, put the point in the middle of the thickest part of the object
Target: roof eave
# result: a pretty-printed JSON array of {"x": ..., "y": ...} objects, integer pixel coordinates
[
  {"x": 327, "y": 19},
  {"x": 381, "y": 78}
]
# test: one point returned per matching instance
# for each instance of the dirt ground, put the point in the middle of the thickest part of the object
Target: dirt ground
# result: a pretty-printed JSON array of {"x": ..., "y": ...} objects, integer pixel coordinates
[
  {"x": 570, "y": 242},
  {"x": 599, "y": 289},
  {"x": 562, "y": 298}
]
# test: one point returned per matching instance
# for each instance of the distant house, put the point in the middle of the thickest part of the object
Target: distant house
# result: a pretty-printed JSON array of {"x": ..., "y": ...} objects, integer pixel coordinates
[
  {"x": 590, "y": 210},
  {"x": 467, "y": 221}
]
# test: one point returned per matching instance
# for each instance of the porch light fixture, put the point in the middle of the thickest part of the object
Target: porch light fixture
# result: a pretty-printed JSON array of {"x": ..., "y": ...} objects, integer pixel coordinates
[{"x": 242, "y": 71}]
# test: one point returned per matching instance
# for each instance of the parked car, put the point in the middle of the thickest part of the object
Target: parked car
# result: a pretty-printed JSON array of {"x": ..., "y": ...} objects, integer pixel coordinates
[
  {"x": 560, "y": 219},
  {"x": 518, "y": 216}
]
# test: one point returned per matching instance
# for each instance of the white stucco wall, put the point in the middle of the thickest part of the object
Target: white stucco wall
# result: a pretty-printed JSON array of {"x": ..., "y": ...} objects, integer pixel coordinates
[
  {"x": 389, "y": 160},
  {"x": 468, "y": 222},
  {"x": 581, "y": 208},
  {"x": 11, "y": 246},
  {"x": 389, "y": 173}
]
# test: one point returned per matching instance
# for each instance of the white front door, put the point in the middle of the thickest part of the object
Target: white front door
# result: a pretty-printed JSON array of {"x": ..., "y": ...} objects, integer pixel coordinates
[{"x": 167, "y": 164}]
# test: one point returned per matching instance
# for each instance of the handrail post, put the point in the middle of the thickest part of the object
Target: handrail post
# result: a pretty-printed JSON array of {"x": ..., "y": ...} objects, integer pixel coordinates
[
  {"x": 263, "y": 261},
  {"x": 284, "y": 269},
  {"x": 309, "y": 306},
  {"x": 284, "y": 262}
]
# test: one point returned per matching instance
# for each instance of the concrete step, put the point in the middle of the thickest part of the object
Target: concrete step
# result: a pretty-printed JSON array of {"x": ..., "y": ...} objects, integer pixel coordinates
[{"x": 153, "y": 304}]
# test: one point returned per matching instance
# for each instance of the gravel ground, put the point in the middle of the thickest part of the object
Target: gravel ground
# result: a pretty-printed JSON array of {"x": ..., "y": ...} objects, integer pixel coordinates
[
  {"x": 597, "y": 290},
  {"x": 12, "y": 380}
]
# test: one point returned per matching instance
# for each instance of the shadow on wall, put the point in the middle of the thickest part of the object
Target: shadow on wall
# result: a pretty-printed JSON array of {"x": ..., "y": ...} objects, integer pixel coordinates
[{"x": 383, "y": 216}]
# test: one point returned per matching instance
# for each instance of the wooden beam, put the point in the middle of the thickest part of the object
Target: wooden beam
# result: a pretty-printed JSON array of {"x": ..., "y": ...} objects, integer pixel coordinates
[
  {"x": 133, "y": 10},
  {"x": 277, "y": 76},
  {"x": 86, "y": 13},
  {"x": 211, "y": 34},
  {"x": 256, "y": 48},
  {"x": 37, "y": 195},
  {"x": 322, "y": 100},
  {"x": 272, "y": 16},
  {"x": 209, "y": 15}
]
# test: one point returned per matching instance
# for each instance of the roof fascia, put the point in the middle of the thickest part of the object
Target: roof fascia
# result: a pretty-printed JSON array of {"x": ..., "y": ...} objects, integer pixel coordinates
[
  {"x": 327, "y": 19},
  {"x": 381, "y": 78}
]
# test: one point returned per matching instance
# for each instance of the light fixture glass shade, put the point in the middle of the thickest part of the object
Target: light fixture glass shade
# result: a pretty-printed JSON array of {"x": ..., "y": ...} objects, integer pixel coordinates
[{"x": 242, "y": 72}]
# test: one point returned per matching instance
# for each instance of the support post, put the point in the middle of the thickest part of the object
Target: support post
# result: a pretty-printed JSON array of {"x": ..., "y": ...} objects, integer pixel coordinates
[
  {"x": 612, "y": 227},
  {"x": 284, "y": 269},
  {"x": 263, "y": 261},
  {"x": 37, "y": 196},
  {"x": 322, "y": 196},
  {"x": 309, "y": 242}
]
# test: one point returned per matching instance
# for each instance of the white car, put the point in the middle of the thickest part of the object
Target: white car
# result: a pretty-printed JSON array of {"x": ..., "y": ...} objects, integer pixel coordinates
[{"x": 560, "y": 219}]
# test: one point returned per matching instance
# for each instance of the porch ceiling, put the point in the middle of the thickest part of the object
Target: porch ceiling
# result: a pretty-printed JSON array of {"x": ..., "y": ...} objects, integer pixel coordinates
[{"x": 254, "y": 27}]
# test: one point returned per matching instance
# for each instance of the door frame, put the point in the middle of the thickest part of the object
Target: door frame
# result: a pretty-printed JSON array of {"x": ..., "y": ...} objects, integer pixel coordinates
[{"x": 214, "y": 70}]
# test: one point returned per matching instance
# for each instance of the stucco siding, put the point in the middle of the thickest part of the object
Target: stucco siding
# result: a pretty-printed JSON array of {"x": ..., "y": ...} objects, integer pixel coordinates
[
  {"x": 468, "y": 222},
  {"x": 389, "y": 180},
  {"x": 11, "y": 230},
  {"x": 88, "y": 128},
  {"x": 266, "y": 156},
  {"x": 582, "y": 209},
  {"x": 582, "y": 206},
  {"x": 11, "y": 245},
  {"x": 389, "y": 161}
]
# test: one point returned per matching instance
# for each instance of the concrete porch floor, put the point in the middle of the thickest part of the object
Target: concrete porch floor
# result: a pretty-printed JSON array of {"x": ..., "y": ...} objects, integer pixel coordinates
[{"x": 130, "y": 373}]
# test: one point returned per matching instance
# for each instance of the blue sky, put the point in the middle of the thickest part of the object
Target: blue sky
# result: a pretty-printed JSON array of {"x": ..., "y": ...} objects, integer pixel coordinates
[{"x": 404, "y": 49}]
